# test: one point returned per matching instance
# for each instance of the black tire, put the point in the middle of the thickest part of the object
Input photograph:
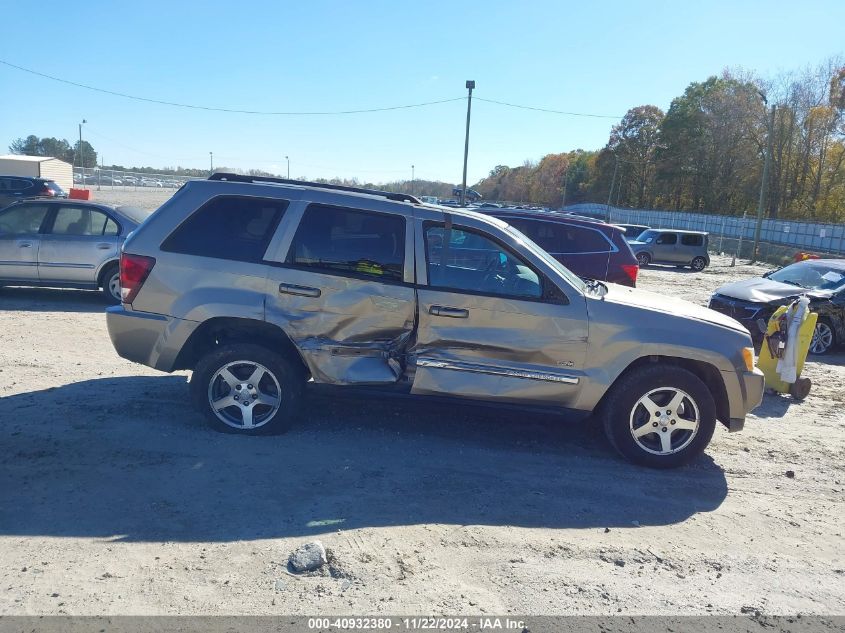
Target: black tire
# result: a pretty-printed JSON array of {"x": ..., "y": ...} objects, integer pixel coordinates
[
  {"x": 698, "y": 264},
  {"x": 621, "y": 408},
  {"x": 800, "y": 389},
  {"x": 823, "y": 328},
  {"x": 282, "y": 376},
  {"x": 106, "y": 283},
  {"x": 643, "y": 259}
]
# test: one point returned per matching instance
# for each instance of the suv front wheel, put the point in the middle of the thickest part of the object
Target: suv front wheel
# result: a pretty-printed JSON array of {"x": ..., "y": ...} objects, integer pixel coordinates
[
  {"x": 661, "y": 416},
  {"x": 246, "y": 389}
]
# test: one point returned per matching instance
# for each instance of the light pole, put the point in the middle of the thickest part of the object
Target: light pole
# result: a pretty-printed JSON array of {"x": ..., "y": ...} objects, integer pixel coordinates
[
  {"x": 288, "y": 160},
  {"x": 211, "y": 162},
  {"x": 412, "y": 180},
  {"x": 82, "y": 154},
  {"x": 470, "y": 85}
]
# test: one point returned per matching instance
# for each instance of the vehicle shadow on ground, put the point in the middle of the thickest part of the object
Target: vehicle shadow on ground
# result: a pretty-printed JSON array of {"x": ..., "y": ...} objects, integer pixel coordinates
[
  {"x": 128, "y": 459},
  {"x": 51, "y": 300},
  {"x": 775, "y": 405}
]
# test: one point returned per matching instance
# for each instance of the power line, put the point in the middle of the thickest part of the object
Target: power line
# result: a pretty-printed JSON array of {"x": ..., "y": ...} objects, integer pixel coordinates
[
  {"x": 193, "y": 106},
  {"x": 549, "y": 111},
  {"x": 227, "y": 110}
]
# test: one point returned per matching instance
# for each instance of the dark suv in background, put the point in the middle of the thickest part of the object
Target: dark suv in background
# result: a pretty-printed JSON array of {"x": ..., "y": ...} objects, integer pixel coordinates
[
  {"x": 13, "y": 188},
  {"x": 589, "y": 248}
]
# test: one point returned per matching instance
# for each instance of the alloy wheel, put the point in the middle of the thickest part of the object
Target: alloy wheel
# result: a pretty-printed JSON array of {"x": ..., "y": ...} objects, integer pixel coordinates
[
  {"x": 664, "y": 421},
  {"x": 244, "y": 394},
  {"x": 822, "y": 338}
]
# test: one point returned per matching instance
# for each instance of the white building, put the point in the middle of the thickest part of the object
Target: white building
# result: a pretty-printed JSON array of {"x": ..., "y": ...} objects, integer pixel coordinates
[{"x": 38, "y": 167}]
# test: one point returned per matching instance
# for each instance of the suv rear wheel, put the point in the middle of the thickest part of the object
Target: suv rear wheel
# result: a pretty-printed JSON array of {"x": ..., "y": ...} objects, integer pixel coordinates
[
  {"x": 246, "y": 389},
  {"x": 659, "y": 416},
  {"x": 699, "y": 263}
]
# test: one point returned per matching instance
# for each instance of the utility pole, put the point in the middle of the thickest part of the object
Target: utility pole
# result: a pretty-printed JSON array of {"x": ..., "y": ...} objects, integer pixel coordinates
[
  {"x": 82, "y": 154},
  {"x": 764, "y": 185},
  {"x": 412, "y": 180},
  {"x": 287, "y": 158},
  {"x": 470, "y": 85},
  {"x": 211, "y": 162},
  {"x": 610, "y": 193}
]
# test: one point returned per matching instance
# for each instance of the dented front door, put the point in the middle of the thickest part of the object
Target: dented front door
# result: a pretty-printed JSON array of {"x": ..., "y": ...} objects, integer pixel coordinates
[
  {"x": 489, "y": 327},
  {"x": 344, "y": 293}
]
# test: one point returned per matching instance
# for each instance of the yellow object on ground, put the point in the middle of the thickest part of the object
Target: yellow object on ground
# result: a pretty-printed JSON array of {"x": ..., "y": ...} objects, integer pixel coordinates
[{"x": 768, "y": 363}]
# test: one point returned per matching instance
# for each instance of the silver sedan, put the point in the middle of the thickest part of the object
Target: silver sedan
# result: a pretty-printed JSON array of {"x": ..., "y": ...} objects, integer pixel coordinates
[{"x": 65, "y": 243}]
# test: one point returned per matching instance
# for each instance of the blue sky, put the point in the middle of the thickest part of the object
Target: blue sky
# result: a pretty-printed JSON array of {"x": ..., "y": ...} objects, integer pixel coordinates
[{"x": 600, "y": 57}]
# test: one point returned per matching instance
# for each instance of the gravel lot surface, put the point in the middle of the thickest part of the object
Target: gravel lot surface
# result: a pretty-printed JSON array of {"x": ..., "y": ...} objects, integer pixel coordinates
[{"x": 116, "y": 499}]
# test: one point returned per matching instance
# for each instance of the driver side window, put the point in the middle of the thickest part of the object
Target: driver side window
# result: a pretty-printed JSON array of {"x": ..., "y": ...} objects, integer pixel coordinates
[
  {"x": 473, "y": 262},
  {"x": 25, "y": 219}
]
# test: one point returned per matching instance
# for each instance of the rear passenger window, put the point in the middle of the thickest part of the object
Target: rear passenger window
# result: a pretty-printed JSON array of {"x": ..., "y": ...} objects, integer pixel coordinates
[
  {"x": 80, "y": 221},
  {"x": 336, "y": 239},
  {"x": 560, "y": 238},
  {"x": 228, "y": 227},
  {"x": 692, "y": 240}
]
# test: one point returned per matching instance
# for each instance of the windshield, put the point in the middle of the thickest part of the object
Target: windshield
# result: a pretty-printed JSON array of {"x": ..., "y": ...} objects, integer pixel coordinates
[
  {"x": 647, "y": 236},
  {"x": 573, "y": 279},
  {"x": 813, "y": 276}
]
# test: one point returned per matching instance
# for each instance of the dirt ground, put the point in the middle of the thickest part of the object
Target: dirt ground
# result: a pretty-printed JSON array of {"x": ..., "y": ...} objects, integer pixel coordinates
[{"x": 115, "y": 498}]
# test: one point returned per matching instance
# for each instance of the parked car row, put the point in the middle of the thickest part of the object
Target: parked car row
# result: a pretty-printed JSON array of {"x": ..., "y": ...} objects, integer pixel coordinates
[
  {"x": 128, "y": 180},
  {"x": 377, "y": 293}
]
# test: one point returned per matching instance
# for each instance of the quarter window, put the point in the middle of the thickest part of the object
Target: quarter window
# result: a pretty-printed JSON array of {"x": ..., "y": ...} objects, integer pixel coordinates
[
  {"x": 692, "y": 240},
  {"x": 228, "y": 227},
  {"x": 476, "y": 263},
  {"x": 350, "y": 241},
  {"x": 25, "y": 219},
  {"x": 79, "y": 221}
]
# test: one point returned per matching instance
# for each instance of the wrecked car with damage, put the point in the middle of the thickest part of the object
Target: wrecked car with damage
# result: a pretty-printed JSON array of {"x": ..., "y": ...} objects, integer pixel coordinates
[
  {"x": 266, "y": 288},
  {"x": 821, "y": 280}
]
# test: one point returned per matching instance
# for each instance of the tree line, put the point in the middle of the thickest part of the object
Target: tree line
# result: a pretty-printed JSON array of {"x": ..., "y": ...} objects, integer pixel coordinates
[{"x": 706, "y": 153}]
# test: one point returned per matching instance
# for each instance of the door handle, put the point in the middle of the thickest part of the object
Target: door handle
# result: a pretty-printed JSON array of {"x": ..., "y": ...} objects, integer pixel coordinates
[
  {"x": 300, "y": 291},
  {"x": 445, "y": 311},
  {"x": 104, "y": 247},
  {"x": 25, "y": 244}
]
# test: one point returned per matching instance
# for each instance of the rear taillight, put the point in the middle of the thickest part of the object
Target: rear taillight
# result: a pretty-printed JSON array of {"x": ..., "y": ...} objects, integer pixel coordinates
[
  {"x": 134, "y": 270},
  {"x": 46, "y": 191},
  {"x": 631, "y": 270}
]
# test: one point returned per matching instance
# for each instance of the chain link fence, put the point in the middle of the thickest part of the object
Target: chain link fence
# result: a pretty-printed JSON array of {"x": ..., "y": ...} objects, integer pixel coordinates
[
  {"x": 778, "y": 238},
  {"x": 96, "y": 178}
]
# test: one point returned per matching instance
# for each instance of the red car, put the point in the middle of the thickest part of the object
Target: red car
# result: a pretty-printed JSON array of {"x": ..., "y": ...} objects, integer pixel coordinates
[{"x": 590, "y": 249}]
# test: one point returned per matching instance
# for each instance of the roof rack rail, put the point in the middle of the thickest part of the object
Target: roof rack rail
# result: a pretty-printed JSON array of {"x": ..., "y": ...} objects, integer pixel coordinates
[{"x": 398, "y": 197}]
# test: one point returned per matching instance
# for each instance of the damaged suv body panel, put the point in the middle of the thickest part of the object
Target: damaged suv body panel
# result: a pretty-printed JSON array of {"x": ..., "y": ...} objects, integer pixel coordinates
[
  {"x": 350, "y": 317},
  {"x": 492, "y": 324}
]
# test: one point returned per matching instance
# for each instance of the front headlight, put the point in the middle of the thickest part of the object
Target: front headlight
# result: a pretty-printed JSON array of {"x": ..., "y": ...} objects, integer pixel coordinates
[{"x": 748, "y": 357}]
